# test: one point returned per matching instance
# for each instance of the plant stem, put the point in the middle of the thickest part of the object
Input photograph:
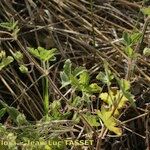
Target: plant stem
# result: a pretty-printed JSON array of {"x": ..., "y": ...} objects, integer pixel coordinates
[{"x": 45, "y": 91}]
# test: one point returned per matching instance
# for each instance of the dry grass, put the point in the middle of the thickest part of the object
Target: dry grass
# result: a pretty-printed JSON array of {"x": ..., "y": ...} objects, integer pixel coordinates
[{"x": 87, "y": 33}]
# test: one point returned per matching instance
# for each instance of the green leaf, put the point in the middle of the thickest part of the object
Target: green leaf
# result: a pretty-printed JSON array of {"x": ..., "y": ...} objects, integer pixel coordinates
[
  {"x": 46, "y": 55},
  {"x": 13, "y": 113},
  {"x": 77, "y": 101},
  {"x": 94, "y": 88},
  {"x": 9, "y": 25},
  {"x": 126, "y": 39},
  {"x": 78, "y": 70},
  {"x": 107, "y": 98},
  {"x": 125, "y": 87},
  {"x": 107, "y": 76},
  {"x": 67, "y": 67},
  {"x": 102, "y": 77},
  {"x": 129, "y": 51},
  {"x": 74, "y": 82},
  {"x": 135, "y": 37},
  {"x": 23, "y": 69},
  {"x": 2, "y": 112},
  {"x": 146, "y": 51},
  {"x": 92, "y": 120},
  {"x": 43, "y": 54},
  {"x": 55, "y": 105},
  {"x": 130, "y": 39},
  {"x": 21, "y": 119},
  {"x": 84, "y": 78},
  {"x": 5, "y": 62},
  {"x": 146, "y": 11},
  {"x": 65, "y": 80},
  {"x": 18, "y": 56},
  {"x": 109, "y": 121},
  {"x": 125, "y": 84}
]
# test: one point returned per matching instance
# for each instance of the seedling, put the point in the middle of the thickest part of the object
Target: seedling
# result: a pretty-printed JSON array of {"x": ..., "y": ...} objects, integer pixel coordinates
[
  {"x": 12, "y": 27},
  {"x": 44, "y": 56}
]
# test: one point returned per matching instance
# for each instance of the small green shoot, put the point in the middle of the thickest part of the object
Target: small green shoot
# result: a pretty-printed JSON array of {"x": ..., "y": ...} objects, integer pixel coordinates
[
  {"x": 5, "y": 60},
  {"x": 11, "y": 26},
  {"x": 129, "y": 40},
  {"x": 18, "y": 56},
  {"x": 44, "y": 56}
]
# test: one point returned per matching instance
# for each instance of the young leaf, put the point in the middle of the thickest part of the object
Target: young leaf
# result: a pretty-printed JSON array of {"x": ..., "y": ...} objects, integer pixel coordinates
[
  {"x": 43, "y": 54},
  {"x": 67, "y": 67},
  {"x": 107, "y": 76},
  {"x": 84, "y": 78},
  {"x": 65, "y": 80},
  {"x": 91, "y": 119},
  {"x": 116, "y": 100},
  {"x": 125, "y": 86},
  {"x": 135, "y": 37},
  {"x": 74, "y": 82},
  {"x": 5, "y": 62},
  {"x": 55, "y": 105},
  {"x": 109, "y": 121},
  {"x": 21, "y": 119},
  {"x": 102, "y": 77},
  {"x": 78, "y": 70},
  {"x": 129, "y": 51},
  {"x": 94, "y": 88},
  {"x": 107, "y": 98},
  {"x": 76, "y": 101},
  {"x": 9, "y": 25},
  {"x": 23, "y": 69},
  {"x": 18, "y": 56},
  {"x": 46, "y": 55},
  {"x": 13, "y": 112},
  {"x": 126, "y": 39}
]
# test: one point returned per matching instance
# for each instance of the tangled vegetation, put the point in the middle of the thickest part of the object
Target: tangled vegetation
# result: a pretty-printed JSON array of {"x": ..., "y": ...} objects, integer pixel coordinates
[{"x": 74, "y": 74}]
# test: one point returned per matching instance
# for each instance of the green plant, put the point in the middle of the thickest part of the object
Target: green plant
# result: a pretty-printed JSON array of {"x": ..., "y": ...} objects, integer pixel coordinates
[
  {"x": 130, "y": 42},
  {"x": 12, "y": 27},
  {"x": 5, "y": 60},
  {"x": 18, "y": 56},
  {"x": 116, "y": 100},
  {"x": 17, "y": 117},
  {"x": 44, "y": 56}
]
